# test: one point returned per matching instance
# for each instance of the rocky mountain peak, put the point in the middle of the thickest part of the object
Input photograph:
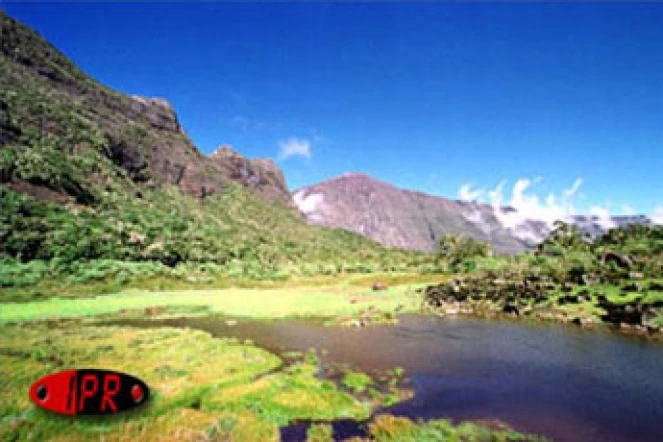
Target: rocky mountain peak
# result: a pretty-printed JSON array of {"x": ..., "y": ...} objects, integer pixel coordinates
[
  {"x": 261, "y": 174},
  {"x": 398, "y": 217},
  {"x": 224, "y": 151},
  {"x": 148, "y": 101},
  {"x": 412, "y": 219},
  {"x": 159, "y": 112}
]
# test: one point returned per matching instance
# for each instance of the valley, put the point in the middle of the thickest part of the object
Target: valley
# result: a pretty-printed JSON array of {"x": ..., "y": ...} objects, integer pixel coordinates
[{"x": 345, "y": 310}]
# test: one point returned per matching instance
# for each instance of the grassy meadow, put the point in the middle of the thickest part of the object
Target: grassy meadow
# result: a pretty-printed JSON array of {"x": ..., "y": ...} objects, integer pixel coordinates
[
  {"x": 205, "y": 388},
  {"x": 255, "y": 303}
]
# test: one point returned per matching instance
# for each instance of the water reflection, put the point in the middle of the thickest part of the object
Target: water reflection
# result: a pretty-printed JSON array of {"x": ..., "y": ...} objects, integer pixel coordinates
[{"x": 570, "y": 384}]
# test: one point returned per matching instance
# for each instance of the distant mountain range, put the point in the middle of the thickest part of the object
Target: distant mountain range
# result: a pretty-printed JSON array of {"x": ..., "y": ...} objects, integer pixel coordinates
[{"x": 403, "y": 218}]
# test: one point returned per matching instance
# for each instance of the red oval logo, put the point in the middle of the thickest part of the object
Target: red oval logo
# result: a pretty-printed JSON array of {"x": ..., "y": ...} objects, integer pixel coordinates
[{"x": 89, "y": 391}]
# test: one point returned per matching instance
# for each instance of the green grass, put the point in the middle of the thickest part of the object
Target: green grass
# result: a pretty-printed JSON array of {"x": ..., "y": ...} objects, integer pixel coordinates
[
  {"x": 201, "y": 376},
  {"x": 42, "y": 279},
  {"x": 319, "y": 433},
  {"x": 202, "y": 388},
  {"x": 284, "y": 396},
  {"x": 388, "y": 428},
  {"x": 257, "y": 303},
  {"x": 356, "y": 381}
]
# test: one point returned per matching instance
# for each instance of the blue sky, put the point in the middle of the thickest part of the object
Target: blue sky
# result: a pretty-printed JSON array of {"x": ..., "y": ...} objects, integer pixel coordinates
[{"x": 426, "y": 96}]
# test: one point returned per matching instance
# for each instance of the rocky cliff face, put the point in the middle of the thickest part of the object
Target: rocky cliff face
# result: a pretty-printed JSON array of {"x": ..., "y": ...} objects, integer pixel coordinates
[
  {"x": 46, "y": 99},
  {"x": 261, "y": 175},
  {"x": 397, "y": 217}
]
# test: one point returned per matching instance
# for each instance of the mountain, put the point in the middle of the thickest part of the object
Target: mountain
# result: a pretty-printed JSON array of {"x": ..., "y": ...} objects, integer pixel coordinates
[
  {"x": 415, "y": 220},
  {"x": 400, "y": 218},
  {"x": 46, "y": 99},
  {"x": 87, "y": 172}
]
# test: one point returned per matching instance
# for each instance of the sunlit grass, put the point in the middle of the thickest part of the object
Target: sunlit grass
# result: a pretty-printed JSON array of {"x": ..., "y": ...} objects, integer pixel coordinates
[
  {"x": 258, "y": 303},
  {"x": 195, "y": 380},
  {"x": 202, "y": 388}
]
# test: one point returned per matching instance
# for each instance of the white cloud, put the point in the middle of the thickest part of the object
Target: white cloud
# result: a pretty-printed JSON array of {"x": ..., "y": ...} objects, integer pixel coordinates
[
  {"x": 309, "y": 204},
  {"x": 465, "y": 193},
  {"x": 568, "y": 193},
  {"x": 475, "y": 217},
  {"x": 524, "y": 211},
  {"x": 294, "y": 146},
  {"x": 496, "y": 194},
  {"x": 529, "y": 208},
  {"x": 603, "y": 217},
  {"x": 657, "y": 215}
]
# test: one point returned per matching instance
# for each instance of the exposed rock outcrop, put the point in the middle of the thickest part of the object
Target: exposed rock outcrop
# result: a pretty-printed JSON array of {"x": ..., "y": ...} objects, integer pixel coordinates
[
  {"x": 261, "y": 175},
  {"x": 158, "y": 111}
]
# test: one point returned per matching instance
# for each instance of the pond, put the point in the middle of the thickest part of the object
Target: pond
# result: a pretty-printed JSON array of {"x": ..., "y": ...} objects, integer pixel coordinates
[{"x": 554, "y": 380}]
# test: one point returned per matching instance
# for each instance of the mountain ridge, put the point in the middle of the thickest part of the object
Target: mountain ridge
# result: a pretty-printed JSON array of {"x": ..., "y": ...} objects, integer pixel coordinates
[
  {"x": 88, "y": 173},
  {"x": 396, "y": 217},
  {"x": 418, "y": 220}
]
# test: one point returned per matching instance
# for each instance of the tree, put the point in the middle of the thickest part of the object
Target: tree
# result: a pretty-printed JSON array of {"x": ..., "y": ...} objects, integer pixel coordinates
[
  {"x": 457, "y": 249},
  {"x": 564, "y": 238}
]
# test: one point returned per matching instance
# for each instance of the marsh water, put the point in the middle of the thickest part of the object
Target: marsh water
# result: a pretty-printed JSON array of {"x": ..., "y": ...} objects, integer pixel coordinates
[{"x": 554, "y": 380}]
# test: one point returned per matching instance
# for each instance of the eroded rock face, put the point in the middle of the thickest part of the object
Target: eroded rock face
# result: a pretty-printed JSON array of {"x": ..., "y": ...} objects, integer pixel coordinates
[
  {"x": 529, "y": 292},
  {"x": 130, "y": 158},
  {"x": 634, "y": 312},
  {"x": 158, "y": 111},
  {"x": 261, "y": 175},
  {"x": 619, "y": 260}
]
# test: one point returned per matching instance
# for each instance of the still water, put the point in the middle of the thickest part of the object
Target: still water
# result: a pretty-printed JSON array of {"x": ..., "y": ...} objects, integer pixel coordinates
[{"x": 559, "y": 381}]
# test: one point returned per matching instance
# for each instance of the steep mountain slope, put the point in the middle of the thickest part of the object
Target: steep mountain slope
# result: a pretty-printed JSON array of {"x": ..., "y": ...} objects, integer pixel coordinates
[
  {"x": 87, "y": 173},
  {"x": 397, "y": 217},
  {"x": 46, "y": 99}
]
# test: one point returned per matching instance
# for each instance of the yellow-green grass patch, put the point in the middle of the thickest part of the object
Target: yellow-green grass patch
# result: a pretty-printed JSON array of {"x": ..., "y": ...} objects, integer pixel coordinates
[{"x": 257, "y": 303}]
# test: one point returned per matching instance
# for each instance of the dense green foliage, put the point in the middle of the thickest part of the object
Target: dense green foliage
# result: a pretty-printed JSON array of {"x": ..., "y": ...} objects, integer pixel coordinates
[
  {"x": 615, "y": 278},
  {"x": 169, "y": 227},
  {"x": 457, "y": 250},
  {"x": 168, "y": 234}
]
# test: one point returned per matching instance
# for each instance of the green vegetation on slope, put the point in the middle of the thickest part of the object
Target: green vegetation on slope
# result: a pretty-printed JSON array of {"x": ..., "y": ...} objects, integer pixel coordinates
[
  {"x": 169, "y": 227},
  {"x": 89, "y": 174}
]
